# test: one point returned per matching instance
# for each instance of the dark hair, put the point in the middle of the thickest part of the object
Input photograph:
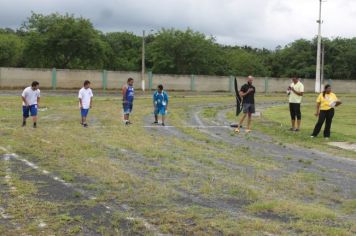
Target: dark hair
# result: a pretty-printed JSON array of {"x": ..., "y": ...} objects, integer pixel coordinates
[
  {"x": 129, "y": 79},
  {"x": 35, "y": 83},
  {"x": 86, "y": 82},
  {"x": 160, "y": 86},
  {"x": 325, "y": 88}
]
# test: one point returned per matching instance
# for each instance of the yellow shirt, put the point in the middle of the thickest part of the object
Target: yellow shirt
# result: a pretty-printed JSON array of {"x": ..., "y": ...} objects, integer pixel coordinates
[
  {"x": 293, "y": 97},
  {"x": 328, "y": 102}
]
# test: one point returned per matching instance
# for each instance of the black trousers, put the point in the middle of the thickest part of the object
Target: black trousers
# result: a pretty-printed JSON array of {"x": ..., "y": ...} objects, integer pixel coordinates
[
  {"x": 294, "y": 109},
  {"x": 326, "y": 116}
]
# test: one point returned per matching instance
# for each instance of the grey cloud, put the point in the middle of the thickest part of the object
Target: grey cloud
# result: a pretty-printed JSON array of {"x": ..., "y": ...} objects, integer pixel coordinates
[{"x": 261, "y": 23}]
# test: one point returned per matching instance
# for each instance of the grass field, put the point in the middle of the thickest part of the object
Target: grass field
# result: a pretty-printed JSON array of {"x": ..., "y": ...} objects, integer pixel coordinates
[{"x": 195, "y": 177}]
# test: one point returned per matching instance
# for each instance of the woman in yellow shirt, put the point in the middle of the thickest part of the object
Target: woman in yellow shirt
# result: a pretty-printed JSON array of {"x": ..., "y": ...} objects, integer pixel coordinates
[{"x": 325, "y": 104}]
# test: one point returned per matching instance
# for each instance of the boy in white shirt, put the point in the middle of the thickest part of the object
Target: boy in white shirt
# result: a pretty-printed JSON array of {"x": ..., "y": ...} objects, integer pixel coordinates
[
  {"x": 30, "y": 102},
  {"x": 85, "y": 101}
]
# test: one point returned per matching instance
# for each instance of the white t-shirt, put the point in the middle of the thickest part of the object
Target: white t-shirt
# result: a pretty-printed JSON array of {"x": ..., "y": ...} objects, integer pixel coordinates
[
  {"x": 293, "y": 97},
  {"x": 30, "y": 96},
  {"x": 85, "y": 95}
]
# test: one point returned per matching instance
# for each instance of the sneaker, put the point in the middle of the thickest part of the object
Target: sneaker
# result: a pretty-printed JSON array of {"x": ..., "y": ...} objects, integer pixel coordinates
[
  {"x": 326, "y": 138},
  {"x": 237, "y": 130},
  {"x": 85, "y": 125},
  {"x": 23, "y": 123},
  {"x": 248, "y": 131},
  {"x": 291, "y": 129},
  {"x": 296, "y": 130},
  {"x": 163, "y": 124},
  {"x": 34, "y": 125},
  {"x": 127, "y": 123},
  {"x": 155, "y": 123},
  {"x": 312, "y": 136}
]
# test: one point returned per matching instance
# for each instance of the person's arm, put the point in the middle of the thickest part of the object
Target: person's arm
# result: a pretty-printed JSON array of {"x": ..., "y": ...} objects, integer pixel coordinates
[
  {"x": 296, "y": 92},
  {"x": 244, "y": 91},
  {"x": 153, "y": 100},
  {"x": 338, "y": 102},
  {"x": 24, "y": 100},
  {"x": 317, "y": 112},
  {"x": 124, "y": 89},
  {"x": 80, "y": 100},
  {"x": 23, "y": 97}
]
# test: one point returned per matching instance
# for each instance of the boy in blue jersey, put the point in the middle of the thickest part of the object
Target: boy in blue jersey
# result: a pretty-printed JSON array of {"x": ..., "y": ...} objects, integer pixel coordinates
[
  {"x": 160, "y": 103},
  {"x": 128, "y": 94}
]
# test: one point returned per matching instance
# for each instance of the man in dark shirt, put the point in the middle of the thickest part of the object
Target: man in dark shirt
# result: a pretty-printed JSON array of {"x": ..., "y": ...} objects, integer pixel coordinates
[{"x": 247, "y": 92}]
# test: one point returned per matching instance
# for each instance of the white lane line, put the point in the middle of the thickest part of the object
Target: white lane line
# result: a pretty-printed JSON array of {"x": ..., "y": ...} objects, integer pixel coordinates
[
  {"x": 148, "y": 226},
  {"x": 3, "y": 214},
  {"x": 8, "y": 173}
]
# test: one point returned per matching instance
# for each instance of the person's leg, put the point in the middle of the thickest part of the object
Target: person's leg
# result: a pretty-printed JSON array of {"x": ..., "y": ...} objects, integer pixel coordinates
[
  {"x": 155, "y": 112},
  {"x": 25, "y": 114},
  {"x": 242, "y": 119},
  {"x": 328, "y": 119},
  {"x": 299, "y": 116},
  {"x": 33, "y": 110},
  {"x": 163, "y": 119},
  {"x": 319, "y": 124},
  {"x": 292, "y": 115},
  {"x": 249, "y": 119}
]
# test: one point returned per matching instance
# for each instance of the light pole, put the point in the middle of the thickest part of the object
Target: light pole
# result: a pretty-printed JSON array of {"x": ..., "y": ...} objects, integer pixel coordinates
[
  {"x": 143, "y": 62},
  {"x": 318, "y": 55}
]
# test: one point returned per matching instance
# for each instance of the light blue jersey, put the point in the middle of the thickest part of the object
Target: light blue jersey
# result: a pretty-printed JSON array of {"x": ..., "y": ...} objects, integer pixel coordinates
[{"x": 160, "y": 99}]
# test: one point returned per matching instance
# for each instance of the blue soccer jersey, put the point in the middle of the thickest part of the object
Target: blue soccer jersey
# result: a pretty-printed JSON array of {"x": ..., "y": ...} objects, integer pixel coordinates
[{"x": 160, "y": 99}]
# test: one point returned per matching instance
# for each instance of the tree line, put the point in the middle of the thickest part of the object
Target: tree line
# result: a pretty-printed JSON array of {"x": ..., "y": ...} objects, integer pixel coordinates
[{"x": 69, "y": 42}]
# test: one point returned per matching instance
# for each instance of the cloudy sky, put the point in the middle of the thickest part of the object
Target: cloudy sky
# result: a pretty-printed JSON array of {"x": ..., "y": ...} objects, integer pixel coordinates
[{"x": 258, "y": 23}]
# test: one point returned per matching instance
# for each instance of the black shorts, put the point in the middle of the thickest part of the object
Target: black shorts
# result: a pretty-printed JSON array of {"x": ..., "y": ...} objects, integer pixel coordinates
[
  {"x": 294, "y": 109},
  {"x": 248, "y": 108}
]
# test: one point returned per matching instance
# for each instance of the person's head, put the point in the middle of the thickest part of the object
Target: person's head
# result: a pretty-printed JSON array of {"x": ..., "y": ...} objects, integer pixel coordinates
[
  {"x": 327, "y": 89},
  {"x": 86, "y": 84},
  {"x": 130, "y": 81},
  {"x": 160, "y": 88},
  {"x": 35, "y": 85},
  {"x": 250, "y": 79},
  {"x": 295, "y": 80}
]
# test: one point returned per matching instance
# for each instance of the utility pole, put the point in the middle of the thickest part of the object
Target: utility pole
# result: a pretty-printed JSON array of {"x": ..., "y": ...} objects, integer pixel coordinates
[
  {"x": 143, "y": 62},
  {"x": 318, "y": 55},
  {"x": 322, "y": 63}
]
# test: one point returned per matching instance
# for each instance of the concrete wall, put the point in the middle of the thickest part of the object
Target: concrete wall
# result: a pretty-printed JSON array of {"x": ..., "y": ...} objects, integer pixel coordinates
[
  {"x": 73, "y": 79},
  {"x": 20, "y": 78}
]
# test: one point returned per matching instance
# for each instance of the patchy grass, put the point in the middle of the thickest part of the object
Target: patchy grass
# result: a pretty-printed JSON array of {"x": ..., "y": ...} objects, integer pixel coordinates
[{"x": 195, "y": 186}]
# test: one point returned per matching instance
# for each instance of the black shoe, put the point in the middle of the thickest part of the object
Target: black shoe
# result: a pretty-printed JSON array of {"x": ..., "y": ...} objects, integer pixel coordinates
[
  {"x": 23, "y": 123},
  {"x": 85, "y": 125},
  {"x": 127, "y": 123},
  {"x": 163, "y": 124},
  {"x": 155, "y": 123},
  {"x": 34, "y": 125}
]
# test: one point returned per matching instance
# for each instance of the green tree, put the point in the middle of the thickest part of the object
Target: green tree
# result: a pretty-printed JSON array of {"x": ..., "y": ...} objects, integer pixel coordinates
[
  {"x": 183, "y": 52},
  {"x": 63, "y": 42},
  {"x": 11, "y": 49},
  {"x": 125, "y": 53}
]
